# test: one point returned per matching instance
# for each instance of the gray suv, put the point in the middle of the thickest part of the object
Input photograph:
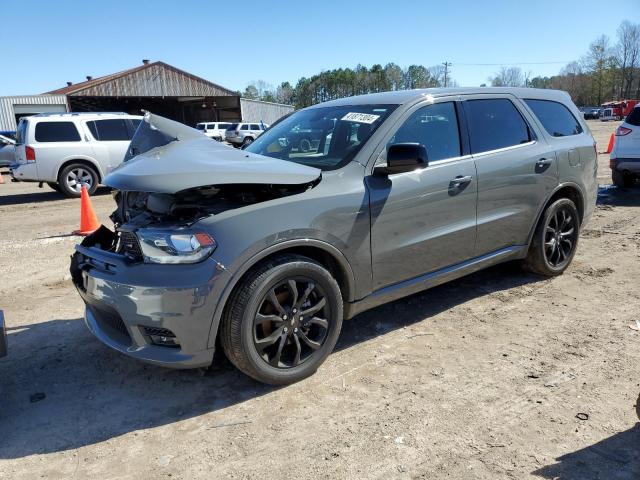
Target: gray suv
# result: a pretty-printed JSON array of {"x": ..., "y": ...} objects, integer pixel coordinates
[{"x": 265, "y": 251}]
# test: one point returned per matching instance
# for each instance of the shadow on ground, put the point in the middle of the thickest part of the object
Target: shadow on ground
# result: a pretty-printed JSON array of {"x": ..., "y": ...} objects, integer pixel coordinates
[
  {"x": 44, "y": 195},
  {"x": 615, "y": 458},
  {"x": 620, "y": 197},
  {"x": 94, "y": 394}
]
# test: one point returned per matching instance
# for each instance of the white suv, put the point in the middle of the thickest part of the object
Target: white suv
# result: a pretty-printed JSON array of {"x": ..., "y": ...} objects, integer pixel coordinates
[
  {"x": 69, "y": 150},
  {"x": 244, "y": 133},
  {"x": 625, "y": 155},
  {"x": 213, "y": 130}
]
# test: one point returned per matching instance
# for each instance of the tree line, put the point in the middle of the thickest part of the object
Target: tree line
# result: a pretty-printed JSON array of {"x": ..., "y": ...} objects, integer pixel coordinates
[
  {"x": 345, "y": 82},
  {"x": 608, "y": 71}
]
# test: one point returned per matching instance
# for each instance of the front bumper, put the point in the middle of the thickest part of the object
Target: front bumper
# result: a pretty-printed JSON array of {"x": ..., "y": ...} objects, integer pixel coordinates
[{"x": 125, "y": 300}]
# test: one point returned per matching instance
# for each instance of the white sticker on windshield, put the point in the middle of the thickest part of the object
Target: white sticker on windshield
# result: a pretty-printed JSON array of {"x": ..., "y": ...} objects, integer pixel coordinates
[{"x": 360, "y": 117}]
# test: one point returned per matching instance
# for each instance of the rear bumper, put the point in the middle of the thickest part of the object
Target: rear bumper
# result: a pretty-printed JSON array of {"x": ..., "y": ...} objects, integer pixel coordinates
[
  {"x": 625, "y": 164},
  {"x": 124, "y": 301},
  {"x": 24, "y": 172}
]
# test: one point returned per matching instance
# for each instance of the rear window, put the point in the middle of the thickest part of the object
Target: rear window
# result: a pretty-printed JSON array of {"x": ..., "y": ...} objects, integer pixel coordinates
[
  {"x": 494, "y": 124},
  {"x": 109, "y": 130},
  {"x": 56, "y": 132},
  {"x": 232, "y": 126},
  {"x": 200, "y": 126},
  {"x": 634, "y": 117},
  {"x": 556, "y": 119}
]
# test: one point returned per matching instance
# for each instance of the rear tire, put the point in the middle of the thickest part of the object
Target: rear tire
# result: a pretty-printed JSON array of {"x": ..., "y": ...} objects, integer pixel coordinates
[
  {"x": 72, "y": 177},
  {"x": 555, "y": 239},
  {"x": 283, "y": 320},
  {"x": 247, "y": 141},
  {"x": 54, "y": 186},
  {"x": 622, "y": 179}
]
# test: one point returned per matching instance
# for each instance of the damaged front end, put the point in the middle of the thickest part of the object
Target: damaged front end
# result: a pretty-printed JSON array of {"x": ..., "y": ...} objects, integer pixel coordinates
[{"x": 172, "y": 177}]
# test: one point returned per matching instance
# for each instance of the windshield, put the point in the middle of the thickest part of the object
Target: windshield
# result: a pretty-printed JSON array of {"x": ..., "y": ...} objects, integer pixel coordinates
[{"x": 325, "y": 137}]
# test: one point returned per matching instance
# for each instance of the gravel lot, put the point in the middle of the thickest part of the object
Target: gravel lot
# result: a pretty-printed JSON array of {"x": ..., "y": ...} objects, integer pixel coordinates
[{"x": 496, "y": 375}]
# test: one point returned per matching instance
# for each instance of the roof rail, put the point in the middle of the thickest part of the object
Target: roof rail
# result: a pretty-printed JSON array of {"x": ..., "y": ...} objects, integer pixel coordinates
[{"x": 71, "y": 114}]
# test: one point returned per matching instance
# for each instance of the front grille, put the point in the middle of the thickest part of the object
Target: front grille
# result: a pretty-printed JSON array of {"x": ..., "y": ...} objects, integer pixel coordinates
[
  {"x": 130, "y": 246},
  {"x": 111, "y": 323},
  {"x": 160, "y": 332}
]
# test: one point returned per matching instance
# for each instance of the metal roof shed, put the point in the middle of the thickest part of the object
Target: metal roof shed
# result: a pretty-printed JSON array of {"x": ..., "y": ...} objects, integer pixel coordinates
[
  {"x": 15, "y": 107},
  {"x": 157, "y": 87}
]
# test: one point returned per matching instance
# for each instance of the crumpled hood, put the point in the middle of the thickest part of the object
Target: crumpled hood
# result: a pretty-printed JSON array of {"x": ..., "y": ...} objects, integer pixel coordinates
[{"x": 171, "y": 157}]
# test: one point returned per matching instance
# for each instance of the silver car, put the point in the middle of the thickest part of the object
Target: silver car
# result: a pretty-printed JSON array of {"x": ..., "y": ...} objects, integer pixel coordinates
[
  {"x": 242, "y": 134},
  {"x": 265, "y": 251}
]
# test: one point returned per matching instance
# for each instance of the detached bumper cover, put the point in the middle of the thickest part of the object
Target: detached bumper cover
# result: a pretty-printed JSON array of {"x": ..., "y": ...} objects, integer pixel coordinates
[{"x": 122, "y": 298}]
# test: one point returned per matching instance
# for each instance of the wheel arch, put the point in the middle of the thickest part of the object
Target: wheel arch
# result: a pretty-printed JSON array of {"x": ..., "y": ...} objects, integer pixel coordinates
[
  {"x": 565, "y": 190},
  {"x": 82, "y": 160},
  {"x": 324, "y": 253}
]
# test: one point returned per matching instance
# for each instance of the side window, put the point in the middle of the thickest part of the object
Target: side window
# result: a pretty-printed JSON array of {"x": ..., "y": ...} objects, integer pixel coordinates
[
  {"x": 495, "y": 123},
  {"x": 56, "y": 132},
  {"x": 435, "y": 127},
  {"x": 244, "y": 127},
  {"x": 255, "y": 126},
  {"x": 109, "y": 130},
  {"x": 556, "y": 119}
]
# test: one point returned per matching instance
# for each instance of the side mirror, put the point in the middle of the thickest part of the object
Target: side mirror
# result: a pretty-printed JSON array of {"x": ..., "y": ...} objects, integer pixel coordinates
[{"x": 403, "y": 157}]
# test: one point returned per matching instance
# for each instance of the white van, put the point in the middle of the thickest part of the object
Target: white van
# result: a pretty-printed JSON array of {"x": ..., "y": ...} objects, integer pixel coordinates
[
  {"x": 213, "y": 130},
  {"x": 71, "y": 150}
]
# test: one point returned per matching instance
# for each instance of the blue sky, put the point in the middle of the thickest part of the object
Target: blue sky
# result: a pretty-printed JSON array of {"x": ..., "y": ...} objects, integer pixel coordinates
[{"x": 232, "y": 43}]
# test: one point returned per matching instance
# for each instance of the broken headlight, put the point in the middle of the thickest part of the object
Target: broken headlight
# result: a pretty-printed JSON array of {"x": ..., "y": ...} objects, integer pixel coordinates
[{"x": 166, "y": 246}]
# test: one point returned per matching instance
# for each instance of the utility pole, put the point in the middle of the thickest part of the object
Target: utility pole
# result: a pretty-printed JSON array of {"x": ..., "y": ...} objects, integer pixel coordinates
[{"x": 446, "y": 72}]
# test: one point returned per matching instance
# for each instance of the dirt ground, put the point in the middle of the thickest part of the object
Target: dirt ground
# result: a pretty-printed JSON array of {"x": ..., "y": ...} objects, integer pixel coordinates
[{"x": 496, "y": 375}]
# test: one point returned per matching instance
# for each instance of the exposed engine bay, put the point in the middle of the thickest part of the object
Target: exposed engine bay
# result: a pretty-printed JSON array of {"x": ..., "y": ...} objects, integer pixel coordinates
[{"x": 139, "y": 209}]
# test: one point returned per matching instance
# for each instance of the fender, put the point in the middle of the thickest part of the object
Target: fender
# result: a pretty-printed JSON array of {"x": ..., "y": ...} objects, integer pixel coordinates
[
  {"x": 546, "y": 201},
  {"x": 278, "y": 247}
]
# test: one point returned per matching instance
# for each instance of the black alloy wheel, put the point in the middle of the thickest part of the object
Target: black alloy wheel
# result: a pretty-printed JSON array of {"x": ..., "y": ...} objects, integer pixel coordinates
[
  {"x": 282, "y": 320},
  {"x": 292, "y": 322},
  {"x": 560, "y": 234}
]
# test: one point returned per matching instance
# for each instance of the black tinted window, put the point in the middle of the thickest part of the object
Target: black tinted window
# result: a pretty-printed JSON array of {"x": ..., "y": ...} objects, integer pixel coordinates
[
  {"x": 244, "y": 127},
  {"x": 56, "y": 132},
  {"x": 494, "y": 124},
  {"x": 232, "y": 126},
  {"x": 634, "y": 117},
  {"x": 435, "y": 127},
  {"x": 556, "y": 119},
  {"x": 109, "y": 130}
]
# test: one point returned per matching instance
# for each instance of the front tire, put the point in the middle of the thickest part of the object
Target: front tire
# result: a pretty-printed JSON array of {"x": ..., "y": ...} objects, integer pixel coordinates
[
  {"x": 76, "y": 175},
  {"x": 283, "y": 320},
  {"x": 555, "y": 239}
]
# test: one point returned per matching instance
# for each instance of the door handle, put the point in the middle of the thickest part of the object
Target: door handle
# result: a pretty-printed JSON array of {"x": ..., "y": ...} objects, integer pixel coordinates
[
  {"x": 544, "y": 161},
  {"x": 460, "y": 180}
]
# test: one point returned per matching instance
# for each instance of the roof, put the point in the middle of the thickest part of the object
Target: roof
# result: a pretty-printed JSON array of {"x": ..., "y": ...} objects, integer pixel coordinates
[
  {"x": 135, "y": 82},
  {"x": 94, "y": 115},
  {"x": 400, "y": 97}
]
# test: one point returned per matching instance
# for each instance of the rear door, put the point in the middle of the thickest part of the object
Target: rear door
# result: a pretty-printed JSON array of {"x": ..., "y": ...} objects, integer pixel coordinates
[
  {"x": 517, "y": 170},
  {"x": 112, "y": 140},
  {"x": 55, "y": 142},
  {"x": 628, "y": 136}
]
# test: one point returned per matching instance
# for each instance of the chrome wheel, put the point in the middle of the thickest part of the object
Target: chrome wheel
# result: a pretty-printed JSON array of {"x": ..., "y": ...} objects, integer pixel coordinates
[
  {"x": 78, "y": 177},
  {"x": 560, "y": 237},
  {"x": 292, "y": 323}
]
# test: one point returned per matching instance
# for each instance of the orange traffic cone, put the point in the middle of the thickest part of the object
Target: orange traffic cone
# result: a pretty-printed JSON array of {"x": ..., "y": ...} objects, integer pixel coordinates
[
  {"x": 88, "y": 220},
  {"x": 611, "y": 140}
]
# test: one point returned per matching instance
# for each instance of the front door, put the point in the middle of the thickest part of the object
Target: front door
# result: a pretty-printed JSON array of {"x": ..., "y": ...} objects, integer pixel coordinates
[
  {"x": 517, "y": 170},
  {"x": 424, "y": 220}
]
